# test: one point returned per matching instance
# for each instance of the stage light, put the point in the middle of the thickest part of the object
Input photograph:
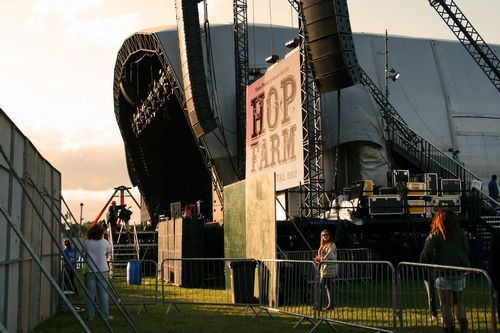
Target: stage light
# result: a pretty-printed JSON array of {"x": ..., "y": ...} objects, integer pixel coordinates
[
  {"x": 255, "y": 71},
  {"x": 292, "y": 43},
  {"x": 273, "y": 58},
  {"x": 393, "y": 75},
  {"x": 454, "y": 152}
]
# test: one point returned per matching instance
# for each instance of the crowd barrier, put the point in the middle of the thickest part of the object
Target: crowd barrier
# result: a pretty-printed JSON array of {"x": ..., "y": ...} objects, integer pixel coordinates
[
  {"x": 375, "y": 296},
  {"x": 342, "y": 254},
  {"x": 347, "y": 273},
  {"x": 366, "y": 299},
  {"x": 135, "y": 283},
  {"x": 210, "y": 281},
  {"x": 419, "y": 304}
]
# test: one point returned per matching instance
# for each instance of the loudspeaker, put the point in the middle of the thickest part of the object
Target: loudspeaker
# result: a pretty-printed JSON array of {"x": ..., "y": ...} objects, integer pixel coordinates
[
  {"x": 201, "y": 116},
  {"x": 451, "y": 187},
  {"x": 329, "y": 42}
]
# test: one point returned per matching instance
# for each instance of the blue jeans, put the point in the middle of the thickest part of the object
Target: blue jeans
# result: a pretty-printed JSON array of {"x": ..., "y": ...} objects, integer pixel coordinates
[
  {"x": 101, "y": 285},
  {"x": 326, "y": 283}
]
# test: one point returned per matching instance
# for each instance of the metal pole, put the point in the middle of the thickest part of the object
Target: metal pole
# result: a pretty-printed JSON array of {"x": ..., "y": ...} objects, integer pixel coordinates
[
  {"x": 386, "y": 72},
  {"x": 81, "y": 219}
]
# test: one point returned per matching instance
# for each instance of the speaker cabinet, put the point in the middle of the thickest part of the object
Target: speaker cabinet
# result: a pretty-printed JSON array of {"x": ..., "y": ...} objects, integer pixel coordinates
[
  {"x": 400, "y": 176},
  {"x": 451, "y": 187},
  {"x": 329, "y": 41},
  {"x": 201, "y": 116},
  {"x": 385, "y": 205}
]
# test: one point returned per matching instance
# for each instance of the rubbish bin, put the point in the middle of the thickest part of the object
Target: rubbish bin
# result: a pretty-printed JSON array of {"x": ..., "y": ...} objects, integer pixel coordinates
[
  {"x": 242, "y": 281},
  {"x": 134, "y": 274}
]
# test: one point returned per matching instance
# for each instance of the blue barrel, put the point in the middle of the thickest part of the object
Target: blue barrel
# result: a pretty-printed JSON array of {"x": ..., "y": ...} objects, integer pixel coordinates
[{"x": 134, "y": 274}]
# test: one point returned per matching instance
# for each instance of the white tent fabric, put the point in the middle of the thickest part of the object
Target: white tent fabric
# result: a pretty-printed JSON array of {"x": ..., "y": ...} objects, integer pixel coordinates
[{"x": 442, "y": 94}]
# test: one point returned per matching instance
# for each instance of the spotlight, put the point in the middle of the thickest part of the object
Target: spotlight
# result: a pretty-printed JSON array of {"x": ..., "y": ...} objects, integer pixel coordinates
[
  {"x": 292, "y": 43},
  {"x": 454, "y": 153},
  {"x": 255, "y": 71},
  {"x": 393, "y": 75},
  {"x": 273, "y": 58}
]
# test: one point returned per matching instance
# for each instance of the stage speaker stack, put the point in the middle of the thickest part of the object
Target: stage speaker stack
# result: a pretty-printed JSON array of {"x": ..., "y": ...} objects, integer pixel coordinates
[
  {"x": 451, "y": 187},
  {"x": 415, "y": 193},
  {"x": 330, "y": 45},
  {"x": 201, "y": 116},
  {"x": 451, "y": 202},
  {"x": 385, "y": 205},
  {"x": 400, "y": 177},
  {"x": 432, "y": 184}
]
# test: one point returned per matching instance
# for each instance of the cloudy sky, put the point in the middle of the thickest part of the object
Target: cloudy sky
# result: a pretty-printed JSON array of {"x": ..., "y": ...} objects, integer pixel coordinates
[{"x": 58, "y": 57}]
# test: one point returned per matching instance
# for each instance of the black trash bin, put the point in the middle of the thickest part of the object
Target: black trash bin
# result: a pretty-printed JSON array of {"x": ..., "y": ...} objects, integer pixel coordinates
[{"x": 242, "y": 281}]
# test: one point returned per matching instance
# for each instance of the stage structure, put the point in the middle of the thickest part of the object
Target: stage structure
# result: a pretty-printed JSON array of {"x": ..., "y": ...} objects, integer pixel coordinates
[{"x": 167, "y": 173}]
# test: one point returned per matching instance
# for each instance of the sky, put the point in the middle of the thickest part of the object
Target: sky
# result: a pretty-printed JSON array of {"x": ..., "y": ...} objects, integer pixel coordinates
[{"x": 58, "y": 56}]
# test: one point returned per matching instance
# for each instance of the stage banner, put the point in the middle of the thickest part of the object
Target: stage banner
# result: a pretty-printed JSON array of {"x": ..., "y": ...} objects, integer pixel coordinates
[{"x": 274, "y": 124}]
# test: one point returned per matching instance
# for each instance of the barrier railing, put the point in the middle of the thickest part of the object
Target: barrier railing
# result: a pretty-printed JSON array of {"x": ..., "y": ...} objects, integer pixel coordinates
[
  {"x": 209, "y": 281},
  {"x": 367, "y": 299},
  {"x": 295, "y": 287},
  {"x": 419, "y": 299},
  {"x": 289, "y": 286},
  {"x": 133, "y": 283},
  {"x": 137, "y": 281},
  {"x": 346, "y": 273},
  {"x": 342, "y": 254}
]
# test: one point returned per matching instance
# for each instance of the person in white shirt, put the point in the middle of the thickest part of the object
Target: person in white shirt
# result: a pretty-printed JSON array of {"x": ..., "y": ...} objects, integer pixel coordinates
[{"x": 97, "y": 249}]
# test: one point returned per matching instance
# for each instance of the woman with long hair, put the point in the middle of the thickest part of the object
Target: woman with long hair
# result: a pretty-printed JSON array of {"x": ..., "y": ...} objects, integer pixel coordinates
[
  {"x": 447, "y": 242},
  {"x": 97, "y": 249},
  {"x": 328, "y": 271}
]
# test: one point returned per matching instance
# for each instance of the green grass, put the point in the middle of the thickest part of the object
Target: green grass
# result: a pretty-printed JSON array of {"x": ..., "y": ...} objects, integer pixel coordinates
[
  {"x": 366, "y": 304},
  {"x": 191, "y": 318}
]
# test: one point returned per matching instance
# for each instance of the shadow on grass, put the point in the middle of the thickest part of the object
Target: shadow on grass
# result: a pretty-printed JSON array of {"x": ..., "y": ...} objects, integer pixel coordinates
[{"x": 190, "y": 318}]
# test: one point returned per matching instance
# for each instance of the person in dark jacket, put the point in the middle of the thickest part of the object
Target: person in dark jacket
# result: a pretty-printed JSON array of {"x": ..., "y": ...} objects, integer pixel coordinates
[
  {"x": 451, "y": 248},
  {"x": 69, "y": 267},
  {"x": 494, "y": 264}
]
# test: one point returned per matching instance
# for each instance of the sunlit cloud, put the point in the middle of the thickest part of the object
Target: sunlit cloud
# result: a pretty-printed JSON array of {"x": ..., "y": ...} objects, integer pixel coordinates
[
  {"x": 64, "y": 8},
  {"x": 109, "y": 31}
]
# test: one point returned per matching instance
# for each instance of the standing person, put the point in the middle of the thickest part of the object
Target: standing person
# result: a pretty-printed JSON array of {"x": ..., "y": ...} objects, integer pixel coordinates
[
  {"x": 494, "y": 264},
  {"x": 328, "y": 271},
  {"x": 97, "y": 249},
  {"x": 493, "y": 187},
  {"x": 112, "y": 218},
  {"x": 69, "y": 267},
  {"x": 451, "y": 248}
]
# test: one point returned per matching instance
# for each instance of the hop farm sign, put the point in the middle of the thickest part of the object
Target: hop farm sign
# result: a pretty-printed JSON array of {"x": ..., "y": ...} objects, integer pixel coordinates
[{"x": 274, "y": 124}]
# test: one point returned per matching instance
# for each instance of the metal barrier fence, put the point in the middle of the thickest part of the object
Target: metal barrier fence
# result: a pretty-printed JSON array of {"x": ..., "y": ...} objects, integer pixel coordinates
[
  {"x": 366, "y": 300},
  {"x": 348, "y": 272},
  {"x": 370, "y": 299},
  {"x": 295, "y": 287},
  {"x": 289, "y": 286},
  {"x": 210, "y": 281},
  {"x": 419, "y": 298},
  {"x": 135, "y": 282}
]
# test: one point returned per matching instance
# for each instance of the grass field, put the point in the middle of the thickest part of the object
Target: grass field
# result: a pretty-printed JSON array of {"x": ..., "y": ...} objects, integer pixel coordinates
[
  {"x": 363, "y": 303},
  {"x": 191, "y": 318}
]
